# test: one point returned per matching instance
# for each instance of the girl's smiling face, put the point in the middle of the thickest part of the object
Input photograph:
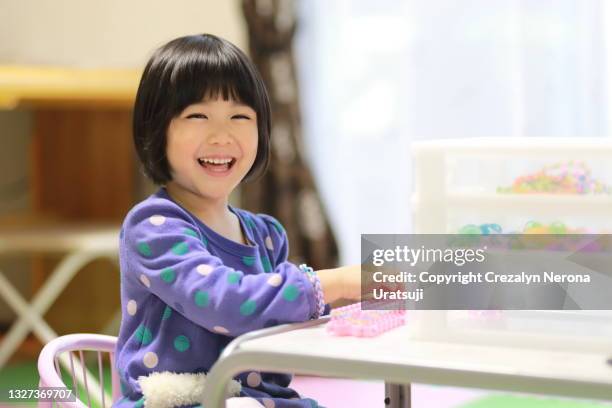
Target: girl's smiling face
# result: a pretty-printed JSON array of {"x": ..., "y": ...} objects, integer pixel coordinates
[{"x": 211, "y": 146}]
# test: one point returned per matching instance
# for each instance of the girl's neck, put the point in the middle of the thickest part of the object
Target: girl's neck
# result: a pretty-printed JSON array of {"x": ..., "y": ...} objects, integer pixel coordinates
[
  {"x": 209, "y": 211},
  {"x": 214, "y": 213}
]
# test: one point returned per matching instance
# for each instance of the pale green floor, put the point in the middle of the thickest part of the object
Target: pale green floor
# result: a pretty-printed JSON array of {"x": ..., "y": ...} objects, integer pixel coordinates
[
  {"x": 511, "y": 401},
  {"x": 24, "y": 375}
]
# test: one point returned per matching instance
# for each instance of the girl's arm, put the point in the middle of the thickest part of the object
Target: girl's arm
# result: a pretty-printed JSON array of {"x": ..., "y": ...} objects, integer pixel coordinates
[
  {"x": 165, "y": 255},
  {"x": 337, "y": 283}
]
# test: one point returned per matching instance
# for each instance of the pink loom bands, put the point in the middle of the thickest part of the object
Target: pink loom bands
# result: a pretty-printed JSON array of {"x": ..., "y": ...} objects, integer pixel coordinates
[{"x": 351, "y": 320}]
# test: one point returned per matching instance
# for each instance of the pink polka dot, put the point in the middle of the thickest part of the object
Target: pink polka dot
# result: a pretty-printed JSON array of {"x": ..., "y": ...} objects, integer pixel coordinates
[
  {"x": 204, "y": 269},
  {"x": 145, "y": 281},
  {"x": 253, "y": 379},
  {"x": 275, "y": 280},
  {"x": 269, "y": 243},
  {"x": 150, "y": 359},
  {"x": 132, "y": 307},
  {"x": 157, "y": 220}
]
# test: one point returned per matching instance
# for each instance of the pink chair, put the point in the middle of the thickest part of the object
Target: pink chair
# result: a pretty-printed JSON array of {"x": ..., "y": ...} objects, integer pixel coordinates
[
  {"x": 62, "y": 351},
  {"x": 69, "y": 352}
]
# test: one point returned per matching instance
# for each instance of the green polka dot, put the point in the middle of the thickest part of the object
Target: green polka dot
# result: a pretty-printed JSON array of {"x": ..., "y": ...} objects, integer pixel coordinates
[
  {"x": 144, "y": 249},
  {"x": 201, "y": 298},
  {"x": 180, "y": 248},
  {"x": 290, "y": 293},
  {"x": 278, "y": 227},
  {"x": 167, "y": 313},
  {"x": 181, "y": 343},
  {"x": 267, "y": 266},
  {"x": 168, "y": 275},
  {"x": 248, "y": 307},
  {"x": 313, "y": 403},
  {"x": 143, "y": 335},
  {"x": 124, "y": 388},
  {"x": 191, "y": 233},
  {"x": 248, "y": 260},
  {"x": 250, "y": 222},
  {"x": 233, "y": 277},
  {"x": 139, "y": 403}
]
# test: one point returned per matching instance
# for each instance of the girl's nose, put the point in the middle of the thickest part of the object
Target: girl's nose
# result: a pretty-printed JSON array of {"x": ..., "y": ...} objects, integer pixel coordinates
[{"x": 219, "y": 136}]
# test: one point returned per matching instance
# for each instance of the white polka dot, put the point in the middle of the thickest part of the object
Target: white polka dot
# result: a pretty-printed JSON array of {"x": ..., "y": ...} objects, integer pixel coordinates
[
  {"x": 204, "y": 269},
  {"x": 242, "y": 402},
  {"x": 275, "y": 280},
  {"x": 268, "y": 403},
  {"x": 145, "y": 281},
  {"x": 221, "y": 329},
  {"x": 157, "y": 220},
  {"x": 253, "y": 379},
  {"x": 269, "y": 243},
  {"x": 150, "y": 359},
  {"x": 132, "y": 307}
]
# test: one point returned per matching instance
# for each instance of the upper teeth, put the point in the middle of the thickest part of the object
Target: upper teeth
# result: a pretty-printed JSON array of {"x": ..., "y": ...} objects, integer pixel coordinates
[{"x": 216, "y": 161}]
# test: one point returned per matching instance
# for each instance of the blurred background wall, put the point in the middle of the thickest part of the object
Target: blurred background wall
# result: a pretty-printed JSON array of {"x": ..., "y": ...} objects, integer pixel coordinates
[
  {"x": 72, "y": 33},
  {"x": 111, "y": 33},
  {"x": 417, "y": 69}
]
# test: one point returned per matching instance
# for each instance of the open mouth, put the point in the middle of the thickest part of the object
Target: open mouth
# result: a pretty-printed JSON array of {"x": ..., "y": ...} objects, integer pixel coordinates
[{"x": 214, "y": 164}]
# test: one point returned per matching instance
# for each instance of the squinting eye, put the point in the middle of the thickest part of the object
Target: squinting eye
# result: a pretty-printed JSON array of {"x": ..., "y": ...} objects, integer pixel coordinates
[
  {"x": 240, "y": 117},
  {"x": 197, "y": 116}
]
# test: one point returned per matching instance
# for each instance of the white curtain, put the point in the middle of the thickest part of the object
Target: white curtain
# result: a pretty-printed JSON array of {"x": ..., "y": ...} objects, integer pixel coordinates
[{"x": 377, "y": 75}]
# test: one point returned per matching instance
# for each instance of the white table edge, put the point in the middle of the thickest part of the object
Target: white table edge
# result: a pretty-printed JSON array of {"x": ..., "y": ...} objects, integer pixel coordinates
[{"x": 236, "y": 359}]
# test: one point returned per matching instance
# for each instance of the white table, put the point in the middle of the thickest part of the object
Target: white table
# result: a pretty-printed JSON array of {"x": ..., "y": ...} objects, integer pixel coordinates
[
  {"x": 79, "y": 243},
  {"x": 396, "y": 358}
]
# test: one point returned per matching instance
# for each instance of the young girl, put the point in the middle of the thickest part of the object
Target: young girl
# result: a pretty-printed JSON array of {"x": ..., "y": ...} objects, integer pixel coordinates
[{"x": 196, "y": 272}]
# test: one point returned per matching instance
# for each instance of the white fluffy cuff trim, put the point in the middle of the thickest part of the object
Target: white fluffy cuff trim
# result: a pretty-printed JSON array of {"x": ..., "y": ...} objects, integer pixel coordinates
[{"x": 166, "y": 389}]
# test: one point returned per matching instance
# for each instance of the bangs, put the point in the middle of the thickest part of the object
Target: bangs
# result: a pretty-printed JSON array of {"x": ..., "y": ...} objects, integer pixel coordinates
[{"x": 212, "y": 74}]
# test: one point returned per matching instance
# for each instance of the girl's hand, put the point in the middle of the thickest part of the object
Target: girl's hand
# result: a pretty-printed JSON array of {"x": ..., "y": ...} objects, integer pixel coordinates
[
  {"x": 340, "y": 283},
  {"x": 346, "y": 283},
  {"x": 351, "y": 281}
]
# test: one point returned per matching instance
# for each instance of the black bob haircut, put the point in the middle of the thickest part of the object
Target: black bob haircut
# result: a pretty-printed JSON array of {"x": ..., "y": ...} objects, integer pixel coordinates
[{"x": 183, "y": 72}]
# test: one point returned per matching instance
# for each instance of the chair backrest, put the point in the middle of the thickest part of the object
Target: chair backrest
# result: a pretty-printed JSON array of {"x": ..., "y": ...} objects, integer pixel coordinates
[{"x": 70, "y": 357}]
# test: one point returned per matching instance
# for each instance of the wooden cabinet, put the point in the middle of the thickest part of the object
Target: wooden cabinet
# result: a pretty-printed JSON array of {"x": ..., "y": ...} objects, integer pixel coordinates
[
  {"x": 82, "y": 165},
  {"x": 82, "y": 168}
]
